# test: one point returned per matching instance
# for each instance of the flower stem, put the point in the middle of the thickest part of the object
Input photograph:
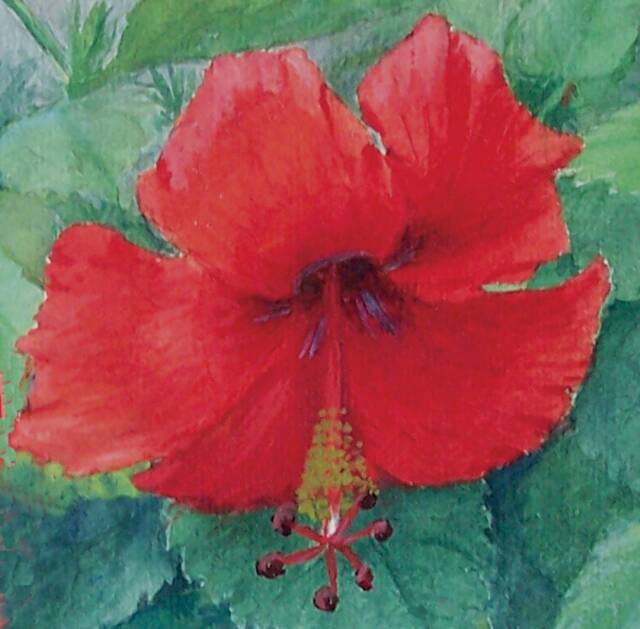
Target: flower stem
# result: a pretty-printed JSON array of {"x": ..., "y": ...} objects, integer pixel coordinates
[{"x": 40, "y": 32}]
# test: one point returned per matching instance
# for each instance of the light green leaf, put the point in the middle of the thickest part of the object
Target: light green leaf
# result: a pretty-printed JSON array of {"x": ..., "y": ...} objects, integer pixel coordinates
[
  {"x": 19, "y": 301},
  {"x": 602, "y": 222},
  {"x": 573, "y": 39},
  {"x": 434, "y": 571},
  {"x": 27, "y": 229},
  {"x": 611, "y": 151},
  {"x": 91, "y": 147},
  {"x": 606, "y": 592},
  {"x": 89, "y": 568}
]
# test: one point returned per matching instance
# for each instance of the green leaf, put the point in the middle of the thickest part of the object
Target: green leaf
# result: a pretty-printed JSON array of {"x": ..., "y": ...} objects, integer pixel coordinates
[
  {"x": 162, "y": 31},
  {"x": 434, "y": 571},
  {"x": 77, "y": 162},
  {"x": 606, "y": 592},
  {"x": 89, "y": 568},
  {"x": 556, "y": 272},
  {"x": 346, "y": 55},
  {"x": 566, "y": 57},
  {"x": 608, "y": 409},
  {"x": 523, "y": 596},
  {"x": 573, "y": 39},
  {"x": 19, "y": 301},
  {"x": 92, "y": 146},
  {"x": 27, "y": 230},
  {"x": 562, "y": 505},
  {"x": 602, "y": 222},
  {"x": 611, "y": 151},
  {"x": 29, "y": 224},
  {"x": 489, "y": 20},
  {"x": 179, "y": 605},
  {"x": 90, "y": 44},
  {"x": 22, "y": 91}
]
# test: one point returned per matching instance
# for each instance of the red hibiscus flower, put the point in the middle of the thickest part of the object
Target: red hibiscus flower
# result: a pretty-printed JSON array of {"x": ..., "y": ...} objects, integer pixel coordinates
[{"x": 325, "y": 331}]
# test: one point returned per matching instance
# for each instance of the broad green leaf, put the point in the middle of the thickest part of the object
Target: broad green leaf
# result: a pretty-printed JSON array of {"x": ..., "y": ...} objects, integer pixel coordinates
[
  {"x": 606, "y": 592},
  {"x": 565, "y": 58},
  {"x": 76, "y": 162},
  {"x": 434, "y": 571},
  {"x": 611, "y": 151},
  {"x": 179, "y": 605},
  {"x": 602, "y": 222},
  {"x": 91, "y": 147},
  {"x": 89, "y": 568},
  {"x": 523, "y": 596},
  {"x": 561, "y": 507},
  {"x": 573, "y": 39},
  {"x": 608, "y": 409},
  {"x": 161, "y": 31},
  {"x": 27, "y": 229}
]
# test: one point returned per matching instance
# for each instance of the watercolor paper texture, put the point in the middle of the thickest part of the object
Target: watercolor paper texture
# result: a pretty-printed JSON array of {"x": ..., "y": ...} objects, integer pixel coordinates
[{"x": 319, "y": 314}]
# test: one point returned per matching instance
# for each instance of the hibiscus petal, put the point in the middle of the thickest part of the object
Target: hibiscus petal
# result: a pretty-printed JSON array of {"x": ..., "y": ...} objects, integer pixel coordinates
[
  {"x": 476, "y": 167},
  {"x": 254, "y": 457},
  {"x": 471, "y": 386},
  {"x": 266, "y": 172},
  {"x": 132, "y": 351}
]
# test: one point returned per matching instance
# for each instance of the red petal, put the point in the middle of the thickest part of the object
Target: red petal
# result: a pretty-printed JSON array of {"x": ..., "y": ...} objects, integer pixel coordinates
[
  {"x": 254, "y": 457},
  {"x": 476, "y": 167},
  {"x": 133, "y": 351},
  {"x": 267, "y": 172},
  {"x": 471, "y": 386}
]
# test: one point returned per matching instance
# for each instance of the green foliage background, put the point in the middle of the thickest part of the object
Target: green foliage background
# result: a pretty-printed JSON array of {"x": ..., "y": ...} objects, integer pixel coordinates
[{"x": 552, "y": 541}]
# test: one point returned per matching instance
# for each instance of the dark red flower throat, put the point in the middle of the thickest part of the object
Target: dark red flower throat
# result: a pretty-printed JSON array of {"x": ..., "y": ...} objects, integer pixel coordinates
[{"x": 352, "y": 281}]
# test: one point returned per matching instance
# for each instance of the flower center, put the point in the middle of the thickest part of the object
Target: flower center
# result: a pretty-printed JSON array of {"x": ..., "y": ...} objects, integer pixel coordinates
[{"x": 356, "y": 284}]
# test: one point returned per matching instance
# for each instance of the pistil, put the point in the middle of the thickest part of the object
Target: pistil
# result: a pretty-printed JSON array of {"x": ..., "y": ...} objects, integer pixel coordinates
[
  {"x": 332, "y": 539},
  {"x": 335, "y": 483}
]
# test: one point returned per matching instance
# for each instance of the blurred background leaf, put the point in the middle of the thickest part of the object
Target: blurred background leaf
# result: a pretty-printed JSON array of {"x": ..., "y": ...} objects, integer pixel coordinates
[{"x": 91, "y": 567}]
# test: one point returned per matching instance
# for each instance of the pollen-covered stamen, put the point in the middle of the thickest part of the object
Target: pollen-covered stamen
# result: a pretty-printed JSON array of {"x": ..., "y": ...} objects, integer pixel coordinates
[{"x": 335, "y": 465}]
